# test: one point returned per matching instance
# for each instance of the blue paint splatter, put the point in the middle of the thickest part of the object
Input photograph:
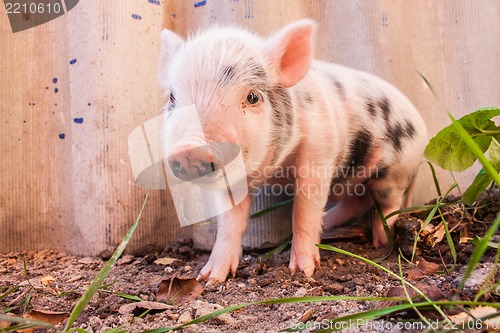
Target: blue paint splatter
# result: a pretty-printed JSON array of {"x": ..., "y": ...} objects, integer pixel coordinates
[
  {"x": 54, "y": 80},
  {"x": 201, "y": 3},
  {"x": 62, "y": 136},
  {"x": 78, "y": 120},
  {"x": 56, "y": 90},
  {"x": 71, "y": 62},
  {"x": 154, "y": 2},
  {"x": 136, "y": 17}
]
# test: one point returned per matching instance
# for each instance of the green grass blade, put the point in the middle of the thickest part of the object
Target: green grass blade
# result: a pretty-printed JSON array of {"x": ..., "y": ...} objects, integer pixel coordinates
[
  {"x": 434, "y": 177},
  {"x": 488, "y": 284},
  {"x": 364, "y": 317},
  {"x": 388, "y": 234},
  {"x": 77, "y": 329},
  {"x": 9, "y": 291},
  {"x": 271, "y": 208},
  {"x": 430, "y": 216},
  {"x": 407, "y": 294},
  {"x": 417, "y": 209},
  {"x": 307, "y": 299},
  {"x": 490, "y": 169},
  {"x": 479, "y": 251},
  {"x": 370, "y": 262},
  {"x": 280, "y": 248},
  {"x": 449, "y": 240},
  {"x": 103, "y": 273},
  {"x": 122, "y": 295}
]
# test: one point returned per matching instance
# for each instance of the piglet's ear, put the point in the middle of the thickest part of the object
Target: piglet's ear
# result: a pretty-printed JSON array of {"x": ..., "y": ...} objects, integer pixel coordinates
[
  {"x": 169, "y": 43},
  {"x": 290, "y": 51}
]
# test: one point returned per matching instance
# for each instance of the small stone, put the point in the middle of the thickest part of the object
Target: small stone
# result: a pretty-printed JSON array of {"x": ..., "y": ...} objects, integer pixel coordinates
[
  {"x": 300, "y": 292},
  {"x": 87, "y": 260},
  {"x": 477, "y": 278},
  {"x": 124, "y": 260},
  {"x": 203, "y": 308},
  {"x": 185, "y": 317}
]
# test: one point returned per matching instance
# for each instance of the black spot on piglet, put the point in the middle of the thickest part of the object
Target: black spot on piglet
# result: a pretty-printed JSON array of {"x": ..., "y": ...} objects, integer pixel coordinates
[
  {"x": 385, "y": 107},
  {"x": 410, "y": 129},
  {"x": 395, "y": 134},
  {"x": 370, "y": 107},
  {"x": 360, "y": 147}
]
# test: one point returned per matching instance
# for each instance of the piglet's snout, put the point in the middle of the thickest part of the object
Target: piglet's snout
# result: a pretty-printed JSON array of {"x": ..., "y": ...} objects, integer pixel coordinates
[{"x": 189, "y": 163}]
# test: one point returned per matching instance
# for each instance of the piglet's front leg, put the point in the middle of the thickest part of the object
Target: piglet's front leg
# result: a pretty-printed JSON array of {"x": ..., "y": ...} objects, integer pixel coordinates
[
  {"x": 226, "y": 253},
  {"x": 310, "y": 198}
]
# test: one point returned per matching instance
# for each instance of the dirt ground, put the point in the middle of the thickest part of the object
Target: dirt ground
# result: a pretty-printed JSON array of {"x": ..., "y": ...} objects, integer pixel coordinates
[{"x": 57, "y": 281}]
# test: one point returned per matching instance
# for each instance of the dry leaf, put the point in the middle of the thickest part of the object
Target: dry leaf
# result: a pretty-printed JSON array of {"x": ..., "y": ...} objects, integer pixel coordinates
[
  {"x": 439, "y": 234},
  {"x": 47, "y": 280},
  {"x": 167, "y": 261},
  {"x": 429, "y": 228},
  {"x": 464, "y": 236},
  {"x": 423, "y": 268},
  {"x": 51, "y": 317},
  {"x": 138, "y": 308},
  {"x": 484, "y": 311},
  {"x": 432, "y": 292},
  {"x": 428, "y": 267},
  {"x": 414, "y": 274},
  {"x": 11, "y": 261},
  {"x": 488, "y": 325},
  {"x": 460, "y": 318},
  {"x": 177, "y": 291}
]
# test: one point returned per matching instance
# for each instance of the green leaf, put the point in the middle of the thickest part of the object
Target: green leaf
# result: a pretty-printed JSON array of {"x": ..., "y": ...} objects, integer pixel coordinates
[
  {"x": 475, "y": 150},
  {"x": 103, "y": 273},
  {"x": 494, "y": 153},
  {"x": 478, "y": 186},
  {"x": 448, "y": 149}
]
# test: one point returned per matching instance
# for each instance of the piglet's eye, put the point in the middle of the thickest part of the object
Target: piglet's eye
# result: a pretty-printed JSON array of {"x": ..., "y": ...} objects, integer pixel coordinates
[{"x": 253, "y": 98}]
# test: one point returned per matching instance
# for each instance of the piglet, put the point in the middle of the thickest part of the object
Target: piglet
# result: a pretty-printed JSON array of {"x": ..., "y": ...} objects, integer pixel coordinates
[{"x": 334, "y": 133}]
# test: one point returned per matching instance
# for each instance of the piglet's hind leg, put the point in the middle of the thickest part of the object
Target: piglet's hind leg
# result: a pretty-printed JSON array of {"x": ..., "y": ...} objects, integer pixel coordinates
[
  {"x": 387, "y": 205},
  {"x": 349, "y": 208}
]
